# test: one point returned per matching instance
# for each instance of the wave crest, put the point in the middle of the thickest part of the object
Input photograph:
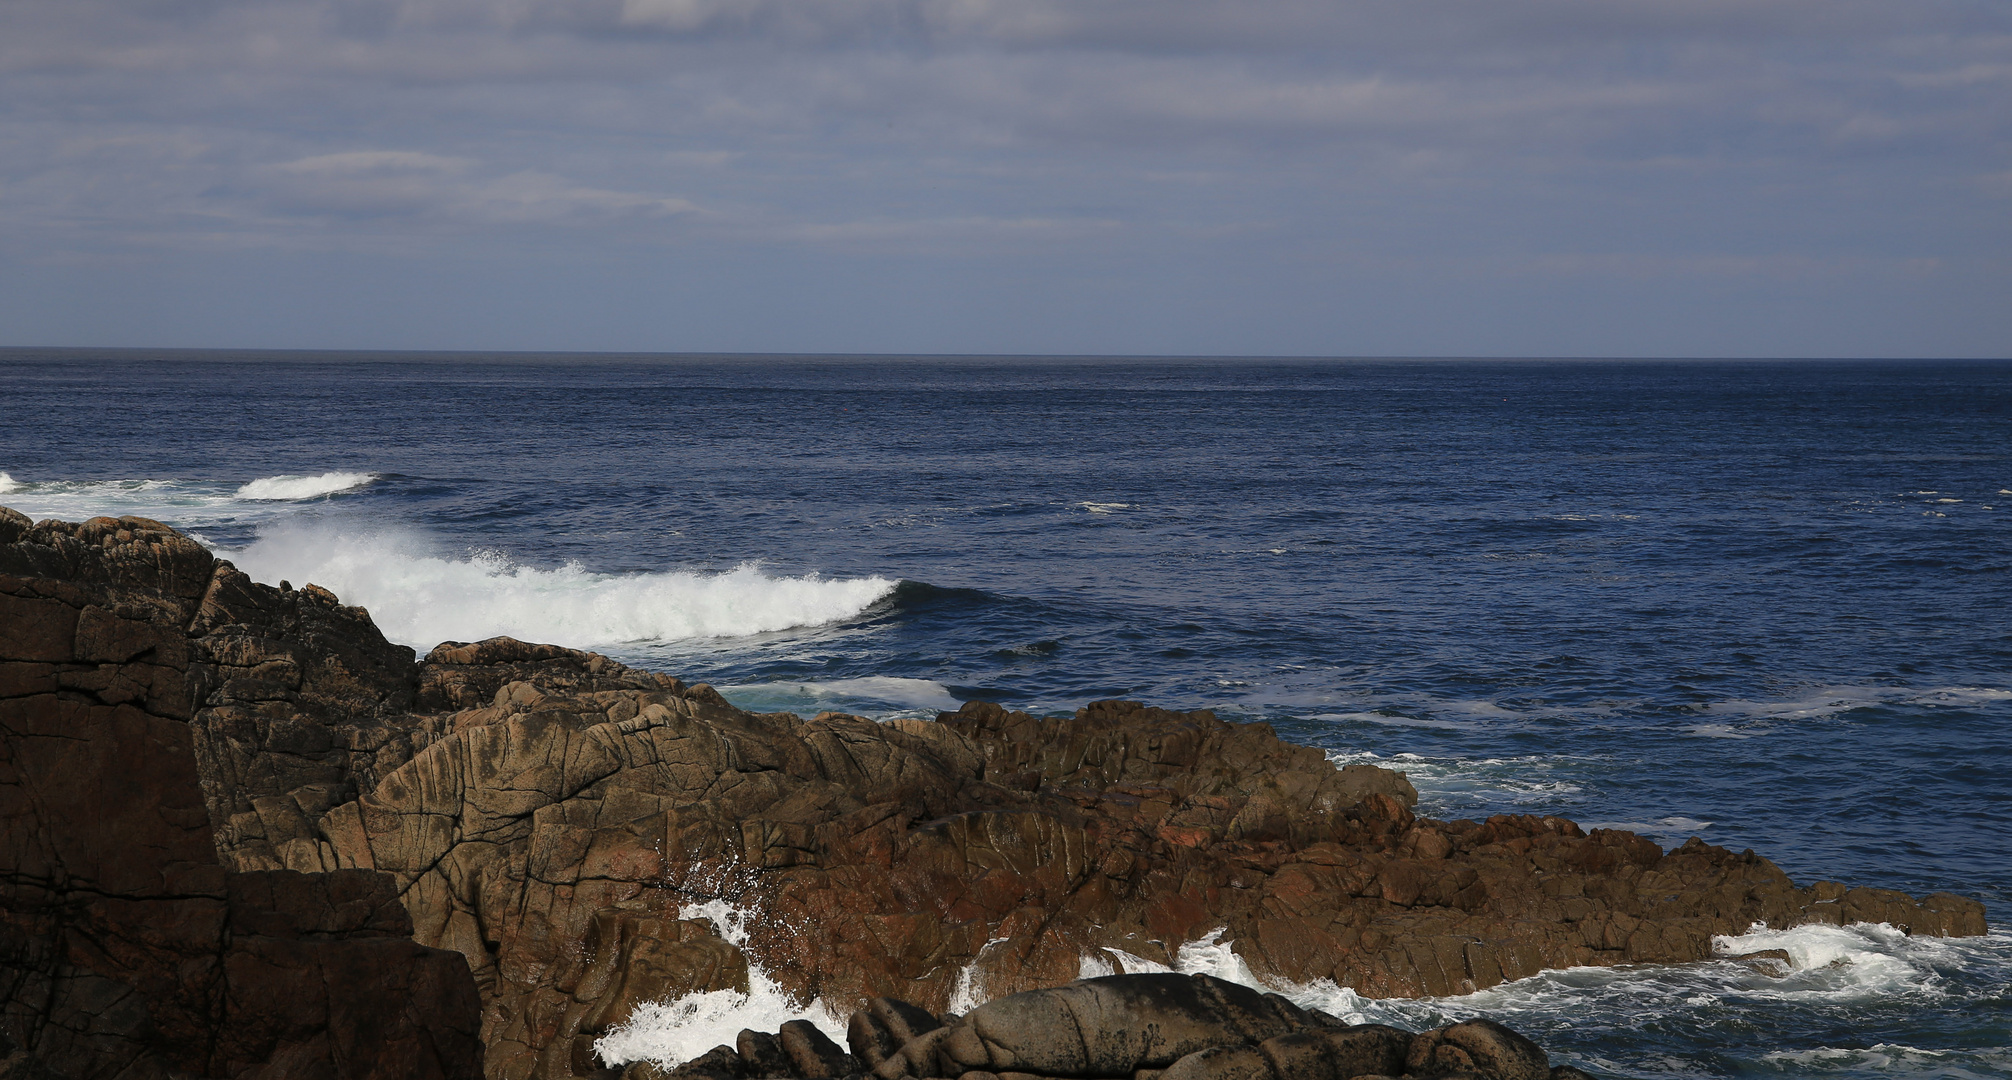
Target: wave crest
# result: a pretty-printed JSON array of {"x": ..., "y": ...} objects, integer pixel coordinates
[
  {"x": 420, "y": 597},
  {"x": 289, "y": 488}
]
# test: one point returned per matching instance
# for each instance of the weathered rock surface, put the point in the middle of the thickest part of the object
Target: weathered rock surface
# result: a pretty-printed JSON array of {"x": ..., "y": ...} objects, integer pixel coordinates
[
  {"x": 126, "y": 948},
  {"x": 550, "y": 815},
  {"x": 1135, "y": 1027}
]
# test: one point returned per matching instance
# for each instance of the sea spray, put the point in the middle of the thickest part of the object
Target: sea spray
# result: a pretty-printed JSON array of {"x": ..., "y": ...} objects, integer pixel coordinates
[{"x": 666, "y": 1033}]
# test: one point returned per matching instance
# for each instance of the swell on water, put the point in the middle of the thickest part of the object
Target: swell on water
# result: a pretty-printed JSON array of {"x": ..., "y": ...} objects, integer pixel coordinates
[
  {"x": 420, "y": 596},
  {"x": 182, "y": 503}
]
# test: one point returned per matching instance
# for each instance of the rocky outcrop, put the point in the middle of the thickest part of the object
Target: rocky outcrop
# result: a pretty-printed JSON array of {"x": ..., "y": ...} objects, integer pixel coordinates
[
  {"x": 552, "y": 816},
  {"x": 1121, "y": 1027},
  {"x": 126, "y": 948}
]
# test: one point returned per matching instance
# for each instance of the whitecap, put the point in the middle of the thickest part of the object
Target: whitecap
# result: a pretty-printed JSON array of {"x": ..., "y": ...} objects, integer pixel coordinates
[
  {"x": 290, "y": 488},
  {"x": 420, "y": 596},
  {"x": 182, "y": 502},
  {"x": 1107, "y": 507},
  {"x": 8, "y": 483}
]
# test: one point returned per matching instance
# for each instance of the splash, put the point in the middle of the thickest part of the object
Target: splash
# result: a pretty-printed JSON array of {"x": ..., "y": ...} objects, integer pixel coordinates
[{"x": 667, "y": 1033}]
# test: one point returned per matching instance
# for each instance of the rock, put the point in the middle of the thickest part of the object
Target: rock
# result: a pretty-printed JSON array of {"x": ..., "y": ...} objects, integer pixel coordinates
[
  {"x": 551, "y": 816},
  {"x": 1338, "y": 1054},
  {"x": 1483, "y": 1047},
  {"x": 1140, "y": 1021},
  {"x": 125, "y": 946},
  {"x": 1160, "y": 1027},
  {"x": 811, "y": 1053}
]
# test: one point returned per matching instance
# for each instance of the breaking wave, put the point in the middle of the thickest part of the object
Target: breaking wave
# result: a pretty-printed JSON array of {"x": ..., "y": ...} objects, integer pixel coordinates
[
  {"x": 292, "y": 488},
  {"x": 667, "y": 1033},
  {"x": 183, "y": 503},
  {"x": 420, "y": 596}
]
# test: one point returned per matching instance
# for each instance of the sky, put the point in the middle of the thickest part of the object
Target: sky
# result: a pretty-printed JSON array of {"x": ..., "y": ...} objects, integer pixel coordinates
[{"x": 1172, "y": 177}]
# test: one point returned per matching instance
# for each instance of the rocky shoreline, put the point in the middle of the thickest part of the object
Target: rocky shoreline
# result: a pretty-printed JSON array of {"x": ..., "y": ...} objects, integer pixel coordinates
[{"x": 247, "y": 836}]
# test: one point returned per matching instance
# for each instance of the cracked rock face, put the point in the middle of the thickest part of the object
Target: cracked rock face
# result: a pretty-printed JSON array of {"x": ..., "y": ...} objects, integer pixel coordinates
[
  {"x": 126, "y": 947},
  {"x": 551, "y": 816}
]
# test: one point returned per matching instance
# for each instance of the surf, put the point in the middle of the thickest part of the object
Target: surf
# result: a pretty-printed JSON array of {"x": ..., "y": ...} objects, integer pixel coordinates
[{"x": 420, "y": 594}]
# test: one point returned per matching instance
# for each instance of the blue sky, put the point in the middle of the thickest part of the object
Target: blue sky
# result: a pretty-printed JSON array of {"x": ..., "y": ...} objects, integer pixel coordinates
[{"x": 1391, "y": 177}]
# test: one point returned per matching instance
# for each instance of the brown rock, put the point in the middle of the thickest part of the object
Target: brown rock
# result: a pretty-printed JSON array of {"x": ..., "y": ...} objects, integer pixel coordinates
[
  {"x": 125, "y": 948},
  {"x": 548, "y": 815},
  {"x": 1482, "y": 1047}
]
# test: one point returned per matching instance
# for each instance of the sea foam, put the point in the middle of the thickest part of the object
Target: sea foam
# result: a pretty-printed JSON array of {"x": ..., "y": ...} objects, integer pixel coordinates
[
  {"x": 906, "y": 696},
  {"x": 420, "y": 596},
  {"x": 667, "y": 1033},
  {"x": 291, "y": 488}
]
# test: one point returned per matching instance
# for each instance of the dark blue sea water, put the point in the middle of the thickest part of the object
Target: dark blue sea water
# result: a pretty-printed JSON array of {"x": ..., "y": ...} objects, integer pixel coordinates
[{"x": 1769, "y": 604}]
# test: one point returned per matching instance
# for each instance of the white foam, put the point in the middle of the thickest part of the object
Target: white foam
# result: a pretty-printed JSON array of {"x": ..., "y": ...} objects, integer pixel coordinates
[
  {"x": 291, "y": 488},
  {"x": 907, "y": 695},
  {"x": 1841, "y": 964},
  {"x": 1899, "y": 1060},
  {"x": 1837, "y": 971},
  {"x": 182, "y": 503},
  {"x": 1450, "y": 787},
  {"x": 1668, "y": 830},
  {"x": 1830, "y": 701},
  {"x": 667, "y": 1033},
  {"x": 1107, "y": 507},
  {"x": 1393, "y": 720},
  {"x": 178, "y": 502},
  {"x": 420, "y": 596}
]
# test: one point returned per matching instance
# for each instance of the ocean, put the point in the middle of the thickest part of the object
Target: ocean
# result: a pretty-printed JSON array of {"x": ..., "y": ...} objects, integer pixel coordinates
[{"x": 1764, "y": 603}]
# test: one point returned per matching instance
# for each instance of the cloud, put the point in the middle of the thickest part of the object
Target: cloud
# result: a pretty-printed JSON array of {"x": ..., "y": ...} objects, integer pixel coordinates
[
  {"x": 413, "y": 184},
  {"x": 1774, "y": 135}
]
